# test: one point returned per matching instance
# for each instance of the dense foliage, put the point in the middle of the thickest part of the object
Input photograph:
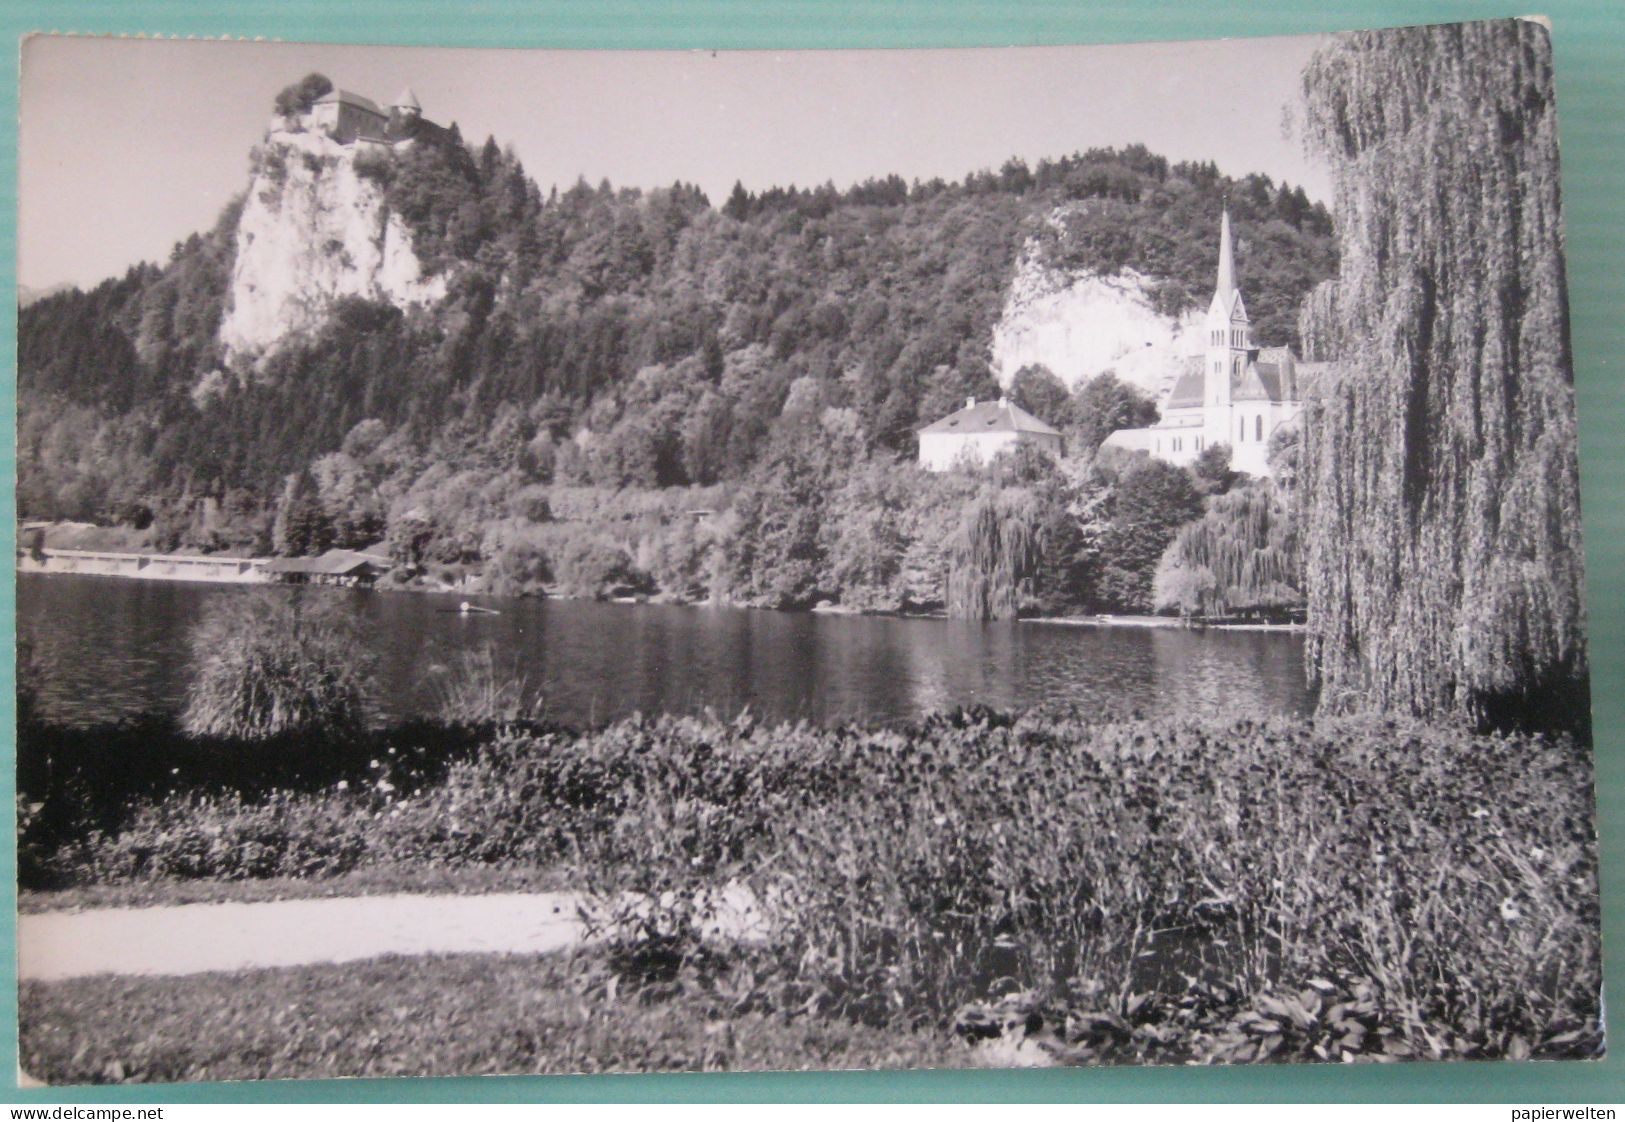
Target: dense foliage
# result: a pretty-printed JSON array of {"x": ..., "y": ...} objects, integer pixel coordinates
[
  {"x": 1161, "y": 891},
  {"x": 1444, "y": 565},
  {"x": 623, "y": 341}
]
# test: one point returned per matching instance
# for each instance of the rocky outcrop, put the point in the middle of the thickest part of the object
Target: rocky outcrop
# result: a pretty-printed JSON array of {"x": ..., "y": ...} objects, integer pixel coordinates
[
  {"x": 315, "y": 228},
  {"x": 1082, "y": 324}
]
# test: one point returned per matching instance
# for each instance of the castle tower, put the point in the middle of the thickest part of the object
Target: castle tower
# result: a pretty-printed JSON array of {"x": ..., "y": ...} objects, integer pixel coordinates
[
  {"x": 406, "y": 104},
  {"x": 1229, "y": 339}
]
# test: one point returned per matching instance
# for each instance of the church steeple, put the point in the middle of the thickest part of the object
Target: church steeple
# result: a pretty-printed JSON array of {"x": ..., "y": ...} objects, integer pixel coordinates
[
  {"x": 1227, "y": 260},
  {"x": 1228, "y": 334}
]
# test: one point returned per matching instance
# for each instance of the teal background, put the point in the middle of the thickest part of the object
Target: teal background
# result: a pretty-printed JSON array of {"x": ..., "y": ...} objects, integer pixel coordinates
[{"x": 1589, "y": 42}]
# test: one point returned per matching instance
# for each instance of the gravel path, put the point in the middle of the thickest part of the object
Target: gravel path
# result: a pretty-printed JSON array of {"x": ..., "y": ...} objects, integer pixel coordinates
[{"x": 194, "y": 938}]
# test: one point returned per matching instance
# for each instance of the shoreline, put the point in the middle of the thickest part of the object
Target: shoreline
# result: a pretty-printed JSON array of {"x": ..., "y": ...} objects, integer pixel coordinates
[{"x": 217, "y": 569}]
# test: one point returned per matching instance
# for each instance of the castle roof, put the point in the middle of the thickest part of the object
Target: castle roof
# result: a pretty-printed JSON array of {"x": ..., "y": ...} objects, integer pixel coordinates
[
  {"x": 348, "y": 97},
  {"x": 406, "y": 99},
  {"x": 1002, "y": 415}
]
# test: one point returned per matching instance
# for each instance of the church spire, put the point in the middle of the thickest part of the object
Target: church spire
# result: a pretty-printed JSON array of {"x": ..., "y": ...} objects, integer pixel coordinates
[{"x": 1227, "y": 262}]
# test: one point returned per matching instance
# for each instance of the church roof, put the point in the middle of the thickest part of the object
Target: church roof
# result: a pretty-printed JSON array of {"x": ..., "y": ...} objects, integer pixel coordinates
[
  {"x": 347, "y": 97},
  {"x": 1261, "y": 381},
  {"x": 1188, "y": 387},
  {"x": 1269, "y": 376},
  {"x": 991, "y": 416}
]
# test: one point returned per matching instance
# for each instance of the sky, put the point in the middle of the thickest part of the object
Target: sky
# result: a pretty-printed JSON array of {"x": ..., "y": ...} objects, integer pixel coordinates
[{"x": 126, "y": 146}]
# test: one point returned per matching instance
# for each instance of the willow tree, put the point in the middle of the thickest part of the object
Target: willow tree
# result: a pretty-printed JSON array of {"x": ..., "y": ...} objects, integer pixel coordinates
[
  {"x": 994, "y": 555},
  {"x": 1442, "y": 516},
  {"x": 1241, "y": 557}
]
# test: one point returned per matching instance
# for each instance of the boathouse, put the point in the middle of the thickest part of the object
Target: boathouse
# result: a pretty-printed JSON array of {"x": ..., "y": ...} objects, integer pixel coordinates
[{"x": 344, "y": 568}]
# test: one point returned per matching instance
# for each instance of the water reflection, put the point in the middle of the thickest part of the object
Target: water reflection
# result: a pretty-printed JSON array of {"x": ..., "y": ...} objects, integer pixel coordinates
[{"x": 107, "y": 648}]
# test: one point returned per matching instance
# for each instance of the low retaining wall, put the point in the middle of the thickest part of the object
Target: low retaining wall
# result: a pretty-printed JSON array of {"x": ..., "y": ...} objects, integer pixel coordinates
[{"x": 144, "y": 566}]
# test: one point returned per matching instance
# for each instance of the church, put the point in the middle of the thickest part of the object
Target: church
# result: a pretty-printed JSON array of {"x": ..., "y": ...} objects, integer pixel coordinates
[{"x": 1233, "y": 393}]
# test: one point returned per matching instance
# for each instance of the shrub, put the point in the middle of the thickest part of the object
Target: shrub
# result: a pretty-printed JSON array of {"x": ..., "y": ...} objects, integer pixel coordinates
[
  {"x": 266, "y": 664},
  {"x": 301, "y": 95},
  {"x": 474, "y": 691},
  {"x": 520, "y": 567},
  {"x": 377, "y": 167},
  {"x": 592, "y": 565}
]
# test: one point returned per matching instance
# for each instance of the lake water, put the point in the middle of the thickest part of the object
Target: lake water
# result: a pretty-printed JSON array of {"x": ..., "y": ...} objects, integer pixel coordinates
[{"x": 107, "y": 648}]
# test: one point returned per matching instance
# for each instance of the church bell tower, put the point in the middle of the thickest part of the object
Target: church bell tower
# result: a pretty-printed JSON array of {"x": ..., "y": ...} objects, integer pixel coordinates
[{"x": 1229, "y": 338}]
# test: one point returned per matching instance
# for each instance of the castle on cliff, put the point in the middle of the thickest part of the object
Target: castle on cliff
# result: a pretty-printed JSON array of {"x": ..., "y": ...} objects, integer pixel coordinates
[
  {"x": 1233, "y": 393},
  {"x": 350, "y": 118}
]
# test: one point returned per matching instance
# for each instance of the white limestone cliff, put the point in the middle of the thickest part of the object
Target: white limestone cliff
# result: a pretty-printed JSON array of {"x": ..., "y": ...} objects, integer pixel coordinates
[
  {"x": 313, "y": 231},
  {"x": 1082, "y": 324}
]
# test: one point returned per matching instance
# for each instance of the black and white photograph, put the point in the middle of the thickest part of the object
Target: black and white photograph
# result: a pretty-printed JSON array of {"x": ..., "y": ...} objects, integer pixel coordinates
[{"x": 543, "y": 561}]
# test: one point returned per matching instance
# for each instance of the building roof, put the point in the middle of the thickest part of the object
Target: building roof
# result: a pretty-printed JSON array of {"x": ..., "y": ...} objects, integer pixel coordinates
[
  {"x": 1188, "y": 388},
  {"x": 406, "y": 99},
  {"x": 1270, "y": 375},
  {"x": 347, "y": 97},
  {"x": 333, "y": 563},
  {"x": 1002, "y": 415},
  {"x": 1261, "y": 381}
]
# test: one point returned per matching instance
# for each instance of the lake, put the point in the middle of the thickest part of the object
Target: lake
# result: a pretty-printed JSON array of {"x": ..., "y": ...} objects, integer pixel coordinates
[{"x": 106, "y": 648}]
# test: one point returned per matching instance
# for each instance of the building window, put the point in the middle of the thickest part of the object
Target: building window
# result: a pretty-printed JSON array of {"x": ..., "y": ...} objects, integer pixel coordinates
[
  {"x": 1243, "y": 434},
  {"x": 1258, "y": 427}
]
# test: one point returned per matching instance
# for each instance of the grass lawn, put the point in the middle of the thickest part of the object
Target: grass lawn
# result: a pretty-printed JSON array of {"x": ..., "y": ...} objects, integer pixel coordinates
[
  {"x": 439, "y": 1015},
  {"x": 368, "y": 881}
]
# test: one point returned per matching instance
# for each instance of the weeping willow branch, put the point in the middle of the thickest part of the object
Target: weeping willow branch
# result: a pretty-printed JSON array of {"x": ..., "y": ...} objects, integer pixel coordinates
[{"x": 1442, "y": 529}]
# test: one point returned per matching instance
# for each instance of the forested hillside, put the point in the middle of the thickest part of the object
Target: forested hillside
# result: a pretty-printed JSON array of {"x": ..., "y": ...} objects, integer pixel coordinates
[{"x": 597, "y": 341}]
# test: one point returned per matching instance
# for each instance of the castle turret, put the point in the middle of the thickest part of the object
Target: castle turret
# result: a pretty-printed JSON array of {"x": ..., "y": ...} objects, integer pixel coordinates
[{"x": 406, "y": 104}]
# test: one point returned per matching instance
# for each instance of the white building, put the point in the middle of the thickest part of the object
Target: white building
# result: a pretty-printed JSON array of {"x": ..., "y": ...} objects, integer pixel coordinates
[
  {"x": 980, "y": 431},
  {"x": 1234, "y": 393}
]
